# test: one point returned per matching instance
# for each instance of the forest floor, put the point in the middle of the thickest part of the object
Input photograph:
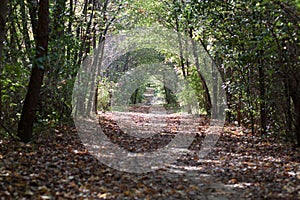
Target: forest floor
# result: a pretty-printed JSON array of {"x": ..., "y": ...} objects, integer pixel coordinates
[{"x": 240, "y": 166}]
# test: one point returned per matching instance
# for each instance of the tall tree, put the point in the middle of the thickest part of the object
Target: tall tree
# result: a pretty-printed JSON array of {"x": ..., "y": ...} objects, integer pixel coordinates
[
  {"x": 25, "y": 127},
  {"x": 3, "y": 12}
]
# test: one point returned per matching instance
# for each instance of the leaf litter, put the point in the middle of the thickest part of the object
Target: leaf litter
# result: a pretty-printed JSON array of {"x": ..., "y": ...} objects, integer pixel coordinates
[{"x": 240, "y": 166}]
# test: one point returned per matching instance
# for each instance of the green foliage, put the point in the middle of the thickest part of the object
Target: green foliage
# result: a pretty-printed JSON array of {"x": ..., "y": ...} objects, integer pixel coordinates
[
  {"x": 104, "y": 91},
  {"x": 251, "y": 40},
  {"x": 254, "y": 43},
  {"x": 74, "y": 32},
  {"x": 12, "y": 89},
  {"x": 197, "y": 89},
  {"x": 137, "y": 96},
  {"x": 138, "y": 13},
  {"x": 187, "y": 100}
]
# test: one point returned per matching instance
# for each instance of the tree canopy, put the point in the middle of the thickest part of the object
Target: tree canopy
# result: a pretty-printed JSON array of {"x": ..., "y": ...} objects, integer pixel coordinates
[
  {"x": 254, "y": 45},
  {"x": 168, "y": 69}
]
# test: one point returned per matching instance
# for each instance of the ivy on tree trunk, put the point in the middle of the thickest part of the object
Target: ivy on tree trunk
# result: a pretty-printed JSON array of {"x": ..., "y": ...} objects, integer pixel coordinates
[{"x": 25, "y": 126}]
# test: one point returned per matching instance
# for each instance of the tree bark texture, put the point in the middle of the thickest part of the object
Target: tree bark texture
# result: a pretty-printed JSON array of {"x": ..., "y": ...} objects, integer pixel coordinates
[
  {"x": 3, "y": 12},
  {"x": 25, "y": 126}
]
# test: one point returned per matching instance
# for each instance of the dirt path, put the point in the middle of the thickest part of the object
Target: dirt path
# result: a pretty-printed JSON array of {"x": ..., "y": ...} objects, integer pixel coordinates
[{"x": 58, "y": 166}]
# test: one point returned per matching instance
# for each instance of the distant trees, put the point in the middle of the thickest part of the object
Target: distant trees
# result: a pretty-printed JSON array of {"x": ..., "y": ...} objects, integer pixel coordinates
[{"x": 255, "y": 46}]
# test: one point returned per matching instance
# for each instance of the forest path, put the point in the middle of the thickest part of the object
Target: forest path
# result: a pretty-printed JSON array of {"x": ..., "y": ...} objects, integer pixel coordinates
[
  {"x": 58, "y": 166},
  {"x": 240, "y": 166},
  {"x": 148, "y": 128}
]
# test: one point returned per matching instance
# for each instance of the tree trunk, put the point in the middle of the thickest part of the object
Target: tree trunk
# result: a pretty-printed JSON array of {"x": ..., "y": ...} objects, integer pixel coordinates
[
  {"x": 25, "y": 28},
  {"x": 134, "y": 96},
  {"x": 238, "y": 109},
  {"x": 205, "y": 87},
  {"x": 288, "y": 108},
  {"x": 215, "y": 83},
  {"x": 3, "y": 12},
  {"x": 25, "y": 126},
  {"x": 33, "y": 12},
  {"x": 181, "y": 58},
  {"x": 69, "y": 30},
  {"x": 263, "y": 109},
  {"x": 296, "y": 101}
]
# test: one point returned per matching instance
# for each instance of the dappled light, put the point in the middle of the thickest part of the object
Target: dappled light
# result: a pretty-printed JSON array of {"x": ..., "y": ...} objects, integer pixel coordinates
[{"x": 149, "y": 99}]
